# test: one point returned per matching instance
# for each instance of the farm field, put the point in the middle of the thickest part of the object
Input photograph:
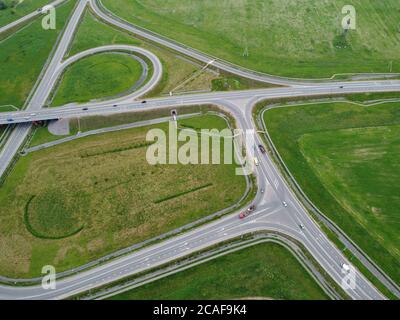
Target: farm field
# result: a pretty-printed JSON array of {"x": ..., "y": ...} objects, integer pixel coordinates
[
  {"x": 264, "y": 271},
  {"x": 346, "y": 159},
  {"x": 289, "y": 38},
  {"x": 75, "y": 202}
]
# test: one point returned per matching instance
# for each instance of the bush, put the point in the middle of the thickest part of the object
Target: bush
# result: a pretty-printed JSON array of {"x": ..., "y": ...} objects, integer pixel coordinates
[{"x": 3, "y": 5}]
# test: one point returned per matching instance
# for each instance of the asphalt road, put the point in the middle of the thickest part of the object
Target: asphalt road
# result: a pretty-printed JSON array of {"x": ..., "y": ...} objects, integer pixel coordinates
[
  {"x": 108, "y": 16},
  {"x": 55, "y": 68},
  {"x": 270, "y": 215},
  {"x": 38, "y": 99},
  {"x": 28, "y": 17},
  {"x": 127, "y": 104},
  {"x": 148, "y": 86}
]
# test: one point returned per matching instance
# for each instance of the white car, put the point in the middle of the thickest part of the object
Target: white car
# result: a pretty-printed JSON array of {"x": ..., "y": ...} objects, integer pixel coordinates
[
  {"x": 345, "y": 267},
  {"x": 284, "y": 204}
]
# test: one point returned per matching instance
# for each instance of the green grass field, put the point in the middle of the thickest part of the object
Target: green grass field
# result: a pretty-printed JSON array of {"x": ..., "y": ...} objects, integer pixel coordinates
[
  {"x": 346, "y": 159},
  {"x": 77, "y": 201},
  {"x": 99, "y": 76},
  {"x": 2, "y": 130},
  {"x": 23, "y": 56},
  {"x": 265, "y": 270},
  {"x": 93, "y": 33},
  {"x": 17, "y": 9},
  {"x": 301, "y": 38}
]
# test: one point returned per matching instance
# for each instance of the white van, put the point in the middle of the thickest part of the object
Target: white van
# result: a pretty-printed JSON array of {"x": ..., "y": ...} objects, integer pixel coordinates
[{"x": 256, "y": 161}]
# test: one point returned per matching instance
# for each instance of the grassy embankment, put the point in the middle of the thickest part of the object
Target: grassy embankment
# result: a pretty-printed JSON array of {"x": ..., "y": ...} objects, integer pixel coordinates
[
  {"x": 23, "y": 56},
  {"x": 78, "y": 201},
  {"x": 94, "y": 33},
  {"x": 297, "y": 39},
  {"x": 17, "y": 9},
  {"x": 99, "y": 76},
  {"x": 266, "y": 271},
  {"x": 345, "y": 157},
  {"x": 180, "y": 75}
]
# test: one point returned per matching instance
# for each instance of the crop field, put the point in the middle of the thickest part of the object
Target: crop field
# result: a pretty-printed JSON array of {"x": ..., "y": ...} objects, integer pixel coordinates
[
  {"x": 346, "y": 158},
  {"x": 99, "y": 76},
  {"x": 264, "y": 271},
  {"x": 23, "y": 55},
  {"x": 14, "y": 10},
  {"x": 75, "y": 202},
  {"x": 302, "y": 38}
]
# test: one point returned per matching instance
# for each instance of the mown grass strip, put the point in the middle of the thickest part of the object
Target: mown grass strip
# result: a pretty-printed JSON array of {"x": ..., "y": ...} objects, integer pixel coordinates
[
  {"x": 130, "y": 147},
  {"x": 42, "y": 236},
  {"x": 182, "y": 193}
]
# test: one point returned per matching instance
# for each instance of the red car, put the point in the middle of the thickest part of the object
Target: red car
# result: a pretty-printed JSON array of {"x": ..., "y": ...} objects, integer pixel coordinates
[{"x": 244, "y": 214}]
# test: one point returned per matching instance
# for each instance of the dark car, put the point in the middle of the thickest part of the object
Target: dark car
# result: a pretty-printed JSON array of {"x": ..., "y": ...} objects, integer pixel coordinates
[
  {"x": 262, "y": 149},
  {"x": 85, "y": 109}
]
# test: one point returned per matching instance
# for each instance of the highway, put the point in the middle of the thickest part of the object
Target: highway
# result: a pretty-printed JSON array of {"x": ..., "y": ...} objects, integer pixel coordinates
[
  {"x": 128, "y": 104},
  {"x": 109, "y": 17},
  {"x": 32, "y": 15},
  {"x": 42, "y": 91},
  {"x": 270, "y": 214},
  {"x": 55, "y": 69}
]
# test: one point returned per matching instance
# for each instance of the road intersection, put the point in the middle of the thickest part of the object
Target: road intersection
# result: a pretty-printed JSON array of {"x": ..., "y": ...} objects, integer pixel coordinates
[{"x": 270, "y": 215}]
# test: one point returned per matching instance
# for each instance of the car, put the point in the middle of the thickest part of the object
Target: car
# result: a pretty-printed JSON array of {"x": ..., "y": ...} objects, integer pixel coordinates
[
  {"x": 346, "y": 268},
  {"x": 256, "y": 161},
  {"x": 249, "y": 210},
  {"x": 243, "y": 215},
  {"x": 10, "y": 120},
  {"x": 341, "y": 87},
  {"x": 115, "y": 105},
  {"x": 301, "y": 226},
  {"x": 144, "y": 101},
  {"x": 33, "y": 114},
  {"x": 262, "y": 149},
  {"x": 85, "y": 109},
  {"x": 284, "y": 204},
  {"x": 262, "y": 190}
]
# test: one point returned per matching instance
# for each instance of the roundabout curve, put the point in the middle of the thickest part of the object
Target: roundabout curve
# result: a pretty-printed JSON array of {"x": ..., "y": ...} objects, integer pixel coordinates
[{"x": 141, "y": 88}]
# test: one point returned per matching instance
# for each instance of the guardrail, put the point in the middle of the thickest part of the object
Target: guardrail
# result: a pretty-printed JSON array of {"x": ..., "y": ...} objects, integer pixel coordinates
[{"x": 342, "y": 236}]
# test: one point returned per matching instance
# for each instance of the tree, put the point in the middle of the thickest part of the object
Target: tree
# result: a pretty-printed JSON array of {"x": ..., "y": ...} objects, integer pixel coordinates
[{"x": 3, "y": 5}]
